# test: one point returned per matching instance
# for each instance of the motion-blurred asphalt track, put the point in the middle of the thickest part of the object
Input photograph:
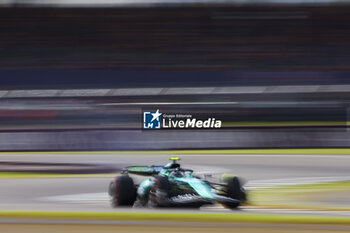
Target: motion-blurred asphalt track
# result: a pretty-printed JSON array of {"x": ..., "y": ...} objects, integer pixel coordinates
[{"x": 87, "y": 194}]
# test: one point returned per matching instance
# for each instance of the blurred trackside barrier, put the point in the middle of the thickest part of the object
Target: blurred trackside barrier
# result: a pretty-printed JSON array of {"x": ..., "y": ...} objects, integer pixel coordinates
[{"x": 160, "y": 140}]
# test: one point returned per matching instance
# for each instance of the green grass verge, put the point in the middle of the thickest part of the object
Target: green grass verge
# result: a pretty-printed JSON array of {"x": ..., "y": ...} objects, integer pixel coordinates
[
  {"x": 178, "y": 217},
  {"x": 312, "y": 151},
  {"x": 301, "y": 196}
]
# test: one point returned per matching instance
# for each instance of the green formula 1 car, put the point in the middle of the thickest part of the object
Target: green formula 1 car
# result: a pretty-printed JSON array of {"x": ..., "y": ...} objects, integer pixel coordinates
[{"x": 173, "y": 186}]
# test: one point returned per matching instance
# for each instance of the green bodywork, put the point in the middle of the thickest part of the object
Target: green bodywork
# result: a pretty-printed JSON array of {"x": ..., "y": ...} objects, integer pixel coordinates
[
  {"x": 202, "y": 188},
  {"x": 188, "y": 182}
]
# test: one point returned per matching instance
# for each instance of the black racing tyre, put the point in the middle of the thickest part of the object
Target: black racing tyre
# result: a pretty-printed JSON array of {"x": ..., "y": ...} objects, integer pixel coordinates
[
  {"x": 122, "y": 191},
  {"x": 235, "y": 191},
  {"x": 159, "y": 192}
]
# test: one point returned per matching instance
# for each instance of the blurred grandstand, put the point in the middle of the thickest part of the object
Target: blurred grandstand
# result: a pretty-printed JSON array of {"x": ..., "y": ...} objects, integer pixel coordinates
[
  {"x": 239, "y": 35},
  {"x": 276, "y": 73}
]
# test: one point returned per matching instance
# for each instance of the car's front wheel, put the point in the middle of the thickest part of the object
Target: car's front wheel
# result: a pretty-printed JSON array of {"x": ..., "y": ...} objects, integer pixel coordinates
[
  {"x": 158, "y": 196},
  {"x": 234, "y": 190}
]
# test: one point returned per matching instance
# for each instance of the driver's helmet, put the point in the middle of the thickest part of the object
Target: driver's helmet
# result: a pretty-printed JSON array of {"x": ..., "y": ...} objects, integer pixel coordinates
[{"x": 177, "y": 173}]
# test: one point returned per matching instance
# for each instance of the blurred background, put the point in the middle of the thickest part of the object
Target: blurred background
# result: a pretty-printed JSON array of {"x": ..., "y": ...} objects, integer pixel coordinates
[{"x": 76, "y": 75}]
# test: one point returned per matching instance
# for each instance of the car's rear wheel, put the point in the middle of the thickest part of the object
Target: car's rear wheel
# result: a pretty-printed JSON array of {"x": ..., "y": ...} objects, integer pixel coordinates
[{"x": 122, "y": 191}]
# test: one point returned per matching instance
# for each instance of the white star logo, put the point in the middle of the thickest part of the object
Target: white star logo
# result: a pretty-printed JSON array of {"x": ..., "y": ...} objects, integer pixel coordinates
[{"x": 156, "y": 115}]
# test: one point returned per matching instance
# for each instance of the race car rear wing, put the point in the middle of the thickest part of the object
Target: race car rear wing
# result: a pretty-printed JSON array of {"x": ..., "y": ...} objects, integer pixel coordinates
[{"x": 143, "y": 170}]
